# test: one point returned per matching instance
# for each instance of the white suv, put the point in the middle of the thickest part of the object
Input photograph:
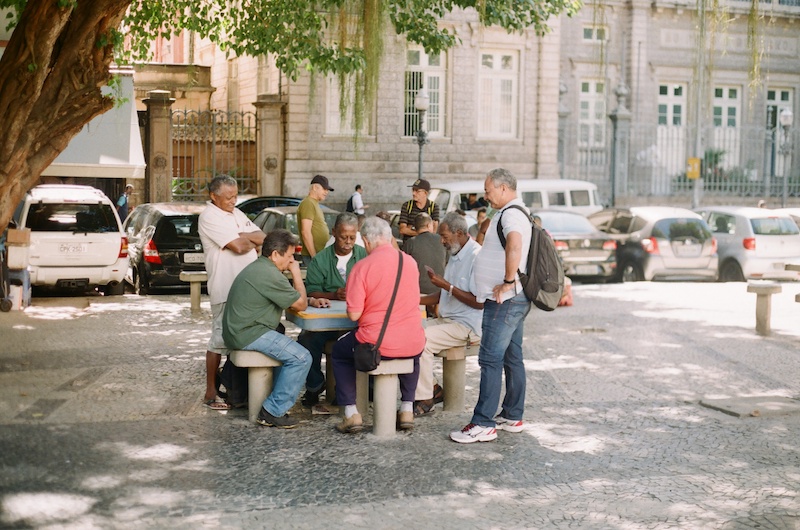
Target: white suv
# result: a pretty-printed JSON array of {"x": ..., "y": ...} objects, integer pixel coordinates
[{"x": 77, "y": 240}]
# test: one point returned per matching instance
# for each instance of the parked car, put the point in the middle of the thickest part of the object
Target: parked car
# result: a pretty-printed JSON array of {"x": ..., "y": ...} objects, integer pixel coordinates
[
  {"x": 251, "y": 205},
  {"x": 657, "y": 242},
  {"x": 163, "y": 242},
  {"x": 77, "y": 241},
  {"x": 286, "y": 217},
  {"x": 753, "y": 242},
  {"x": 585, "y": 252}
]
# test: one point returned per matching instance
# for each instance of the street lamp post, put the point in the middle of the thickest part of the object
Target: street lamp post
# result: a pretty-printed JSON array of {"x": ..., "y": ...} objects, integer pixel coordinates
[
  {"x": 786, "y": 118},
  {"x": 421, "y": 101}
]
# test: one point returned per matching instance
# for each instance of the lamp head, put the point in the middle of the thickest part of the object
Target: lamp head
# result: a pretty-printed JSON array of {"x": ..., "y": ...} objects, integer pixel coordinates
[
  {"x": 421, "y": 100},
  {"x": 786, "y": 117}
]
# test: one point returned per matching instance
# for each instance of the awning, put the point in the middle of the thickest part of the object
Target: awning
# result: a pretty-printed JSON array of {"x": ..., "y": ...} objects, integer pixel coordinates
[{"x": 109, "y": 146}]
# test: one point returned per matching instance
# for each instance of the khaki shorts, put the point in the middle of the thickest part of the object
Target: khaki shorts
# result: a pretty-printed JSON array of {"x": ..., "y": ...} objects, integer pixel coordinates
[{"x": 215, "y": 343}]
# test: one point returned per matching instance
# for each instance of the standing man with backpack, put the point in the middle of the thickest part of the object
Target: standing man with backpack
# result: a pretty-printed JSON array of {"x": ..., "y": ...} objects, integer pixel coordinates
[
  {"x": 418, "y": 204},
  {"x": 355, "y": 204},
  {"x": 504, "y": 311}
]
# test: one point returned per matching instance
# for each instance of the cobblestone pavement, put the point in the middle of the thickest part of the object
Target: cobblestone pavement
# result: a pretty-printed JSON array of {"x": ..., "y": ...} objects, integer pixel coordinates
[{"x": 102, "y": 426}]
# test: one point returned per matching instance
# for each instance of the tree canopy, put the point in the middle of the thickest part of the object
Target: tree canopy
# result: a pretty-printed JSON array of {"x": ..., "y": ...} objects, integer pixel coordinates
[{"x": 60, "y": 53}]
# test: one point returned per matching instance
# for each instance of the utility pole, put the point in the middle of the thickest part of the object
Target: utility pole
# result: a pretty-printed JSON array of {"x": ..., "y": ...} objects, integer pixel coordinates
[{"x": 699, "y": 94}]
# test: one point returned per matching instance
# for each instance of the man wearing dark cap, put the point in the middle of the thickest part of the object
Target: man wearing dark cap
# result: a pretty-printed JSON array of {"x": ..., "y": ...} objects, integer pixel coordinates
[
  {"x": 417, "y": 205},
  {"x": 314, "y": 231}
]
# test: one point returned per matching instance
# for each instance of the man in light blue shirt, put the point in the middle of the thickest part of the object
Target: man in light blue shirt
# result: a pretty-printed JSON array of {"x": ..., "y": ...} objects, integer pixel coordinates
[{"x": 460, "y": 313}]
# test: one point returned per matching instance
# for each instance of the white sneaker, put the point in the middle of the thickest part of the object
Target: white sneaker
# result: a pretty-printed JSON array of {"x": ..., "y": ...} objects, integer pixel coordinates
[
  {"x": 508, "y": 425},
  {"x": 474, "y": 433}
]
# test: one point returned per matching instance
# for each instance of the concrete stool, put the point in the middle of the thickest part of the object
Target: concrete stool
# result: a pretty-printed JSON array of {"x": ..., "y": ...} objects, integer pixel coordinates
[
  {"x": 194, "y": 278},
  {"x": 764, "y": 292},
  {"x": 454, "y": 380},
  {"x": 384, "y": 395},
  {"x": 259, "y": 377}
]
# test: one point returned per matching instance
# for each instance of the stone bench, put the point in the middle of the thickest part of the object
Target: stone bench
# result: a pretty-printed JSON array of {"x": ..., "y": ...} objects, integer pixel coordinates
[
  {"x": 454, "y": 375},
  {"x": 764, "y": 292},
  {"x": 384, "y": 394},
  {"x": 195, "y": 279},
  {"x": 259, "y": 377}
]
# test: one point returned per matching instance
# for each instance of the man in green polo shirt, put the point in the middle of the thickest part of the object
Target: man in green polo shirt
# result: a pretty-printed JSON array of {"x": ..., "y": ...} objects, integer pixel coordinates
[
  {"x": 326, "y": 278},
  {"x": 256, "y": 301}
]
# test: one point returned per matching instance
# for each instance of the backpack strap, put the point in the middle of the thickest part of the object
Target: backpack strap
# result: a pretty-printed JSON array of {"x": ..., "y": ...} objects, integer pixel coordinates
[{"x": 500, "y": 222}]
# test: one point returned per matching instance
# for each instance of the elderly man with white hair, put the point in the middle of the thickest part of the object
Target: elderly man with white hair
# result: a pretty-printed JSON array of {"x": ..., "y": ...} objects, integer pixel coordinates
[{"x": 369, "y": 290}]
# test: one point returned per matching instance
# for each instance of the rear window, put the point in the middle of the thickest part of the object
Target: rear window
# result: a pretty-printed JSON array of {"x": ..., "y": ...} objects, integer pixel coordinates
[
  {"x": 71, "y": 217},
  {"x": 566, "y": 223},
  {"x": 681, "y": 228},
  {"x": 177, "y": 230},
  {"x": 774, "y": 226}
]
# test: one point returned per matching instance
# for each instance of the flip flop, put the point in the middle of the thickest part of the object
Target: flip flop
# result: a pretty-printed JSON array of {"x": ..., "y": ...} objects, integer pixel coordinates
[
  {"x": 217, "y": 403},
  {"x": 438, "y": 394},
  {"x": 424, "y": 407}
]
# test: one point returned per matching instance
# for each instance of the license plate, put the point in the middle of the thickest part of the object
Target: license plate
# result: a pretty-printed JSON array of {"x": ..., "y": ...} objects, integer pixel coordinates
[
  {"x": 779, "y": 266},
  {"x": 193, "y": 258},
  {"x": 586, "y": 270},
  {"x": 687, "y": 251},
  {"x": 72, "y": 248}
]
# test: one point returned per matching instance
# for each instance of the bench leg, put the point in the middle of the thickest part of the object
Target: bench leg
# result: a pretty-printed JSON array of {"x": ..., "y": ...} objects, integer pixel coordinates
[
  {"x": 259, "y": 386},
  {"x": 454, "y": 373},
  {"x": 384, "y": 405},
  {"x": 763, "y": 313},
  {"x": 362, "y": 392},
  {"x": 194, "y": 296}
]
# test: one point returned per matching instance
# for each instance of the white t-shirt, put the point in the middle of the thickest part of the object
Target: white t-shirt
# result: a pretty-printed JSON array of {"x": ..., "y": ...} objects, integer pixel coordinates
[
  {"x": 341, "y": 265},
  {"x": 489, "y": 268},
  {"x": 358, "y": 203},
  {"x": 217, "y": 228}
]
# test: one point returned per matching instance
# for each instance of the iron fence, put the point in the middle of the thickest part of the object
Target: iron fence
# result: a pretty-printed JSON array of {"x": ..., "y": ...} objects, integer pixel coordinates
[{"x": 209, "y": 143}]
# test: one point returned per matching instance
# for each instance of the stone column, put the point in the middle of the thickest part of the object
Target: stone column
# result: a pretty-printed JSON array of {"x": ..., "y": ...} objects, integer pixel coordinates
[
  {"x": 620, "y": 142},
  {"x": 563, "y": 117},
  {"x": 271, "y": 153},
  {"x": 158, "y": 176}
]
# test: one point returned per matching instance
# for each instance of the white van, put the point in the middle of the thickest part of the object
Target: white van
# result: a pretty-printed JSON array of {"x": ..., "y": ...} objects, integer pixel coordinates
[
  {"x": 76, "y": 238},
  {"x": 537, "y": 194}
]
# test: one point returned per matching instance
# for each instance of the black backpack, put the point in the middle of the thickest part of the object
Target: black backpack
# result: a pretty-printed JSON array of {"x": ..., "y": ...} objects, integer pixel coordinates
[
  {"x": 349, "y": 207},
  {"x": 545, "y": 286}
]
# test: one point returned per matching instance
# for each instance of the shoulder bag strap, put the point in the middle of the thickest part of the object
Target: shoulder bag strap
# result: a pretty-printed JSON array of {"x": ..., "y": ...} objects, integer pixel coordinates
[{"x": 391, "y": 302}]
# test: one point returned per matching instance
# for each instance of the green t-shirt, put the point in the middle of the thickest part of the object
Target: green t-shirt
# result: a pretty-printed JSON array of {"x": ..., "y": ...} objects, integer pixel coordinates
[
  {"x": 309, "y": 209},
  {"x": 257, "y": 298},
  {"x": 323, "y": 276}
]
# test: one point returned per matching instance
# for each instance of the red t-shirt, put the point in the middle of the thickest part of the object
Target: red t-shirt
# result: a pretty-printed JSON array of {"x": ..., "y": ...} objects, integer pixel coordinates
[{"x": 369, "y": 290}]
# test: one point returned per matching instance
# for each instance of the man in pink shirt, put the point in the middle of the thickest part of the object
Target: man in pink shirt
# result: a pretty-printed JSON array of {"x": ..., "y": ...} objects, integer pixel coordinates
[{"x": 369, "y": 289}]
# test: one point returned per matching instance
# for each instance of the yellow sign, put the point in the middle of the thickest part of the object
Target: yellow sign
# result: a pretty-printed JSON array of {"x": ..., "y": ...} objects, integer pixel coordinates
[{"x": 693, "y": 168}]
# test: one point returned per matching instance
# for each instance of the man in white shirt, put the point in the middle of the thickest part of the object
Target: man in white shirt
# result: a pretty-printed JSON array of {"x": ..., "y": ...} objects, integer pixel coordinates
[
  {"x": 230, "y": 243},
  {"x": 460, "y": 314},
  {"x": 357, "y": 201},
  {"x": 504, "y": 310}
]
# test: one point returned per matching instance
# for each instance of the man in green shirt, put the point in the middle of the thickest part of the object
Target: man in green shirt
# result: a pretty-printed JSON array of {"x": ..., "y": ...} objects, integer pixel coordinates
[
  {"x": 326, "y": 278},
  {"x": 256, "y": 301},
  {"x": 310, "y": 219}
]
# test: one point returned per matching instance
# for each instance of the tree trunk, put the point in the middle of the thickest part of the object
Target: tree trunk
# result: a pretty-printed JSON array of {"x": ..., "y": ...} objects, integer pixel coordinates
[{"x": 51, "y": 74}]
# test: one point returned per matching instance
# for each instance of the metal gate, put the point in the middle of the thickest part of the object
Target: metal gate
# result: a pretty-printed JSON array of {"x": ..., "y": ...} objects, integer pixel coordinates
[{"x": 209, "y": 143}]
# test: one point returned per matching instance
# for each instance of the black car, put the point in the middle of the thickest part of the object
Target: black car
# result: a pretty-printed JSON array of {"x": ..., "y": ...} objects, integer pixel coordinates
[
  {"x": 286, "y": 217},
  {"x": 163, "y": 242},
  {"x": 251, "y": 205}
]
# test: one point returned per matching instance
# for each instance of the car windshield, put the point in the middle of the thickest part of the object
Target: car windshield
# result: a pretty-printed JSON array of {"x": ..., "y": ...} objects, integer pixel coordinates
[
  {"x": 681, "y": 228},
  {"x": 774, "y": 226},
  {"x": 560, "y": 224},
  {"x": 177, "y": 230},
  {"x": 71, "y": 217}
]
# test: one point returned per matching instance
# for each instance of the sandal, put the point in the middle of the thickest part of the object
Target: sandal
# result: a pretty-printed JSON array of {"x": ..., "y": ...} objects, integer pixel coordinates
[
  {"x": 424, "y": 407},
  {"x": 438, "y": 394},
  {"x": 216, "y": 403}
]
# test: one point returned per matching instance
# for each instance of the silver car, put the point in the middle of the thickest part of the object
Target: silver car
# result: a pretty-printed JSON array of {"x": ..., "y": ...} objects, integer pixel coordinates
[
  {"x": 657, "y": 242},
  {"x": 753, "y": 243}
]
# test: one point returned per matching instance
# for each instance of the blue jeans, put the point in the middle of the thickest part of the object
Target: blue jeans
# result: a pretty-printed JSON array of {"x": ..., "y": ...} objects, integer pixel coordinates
[
  {"x": 345, "y": 372},
  {"x": 289, "y": 378},
  {"x": 501, "y": 350},
  {"x": 314, "y": 342}
]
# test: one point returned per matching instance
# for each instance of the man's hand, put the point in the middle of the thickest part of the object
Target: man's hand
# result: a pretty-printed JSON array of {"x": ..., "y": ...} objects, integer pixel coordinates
[
  {"x": 294, "y": 268},
  {"x": 341, "y": 294},
  {"x": 319, "y": 302},
  {"x": 498, "y": 291},
  {"x": 437, "y": 280}
]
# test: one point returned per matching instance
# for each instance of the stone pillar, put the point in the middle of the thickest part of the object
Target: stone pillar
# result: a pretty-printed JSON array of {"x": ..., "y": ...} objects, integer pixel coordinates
[
  {"x": 271, "y": 153},
  {"x": 620, "y": 142},
  {"x": 158, "y": 176},
  {"x": 563, "y": 117}
]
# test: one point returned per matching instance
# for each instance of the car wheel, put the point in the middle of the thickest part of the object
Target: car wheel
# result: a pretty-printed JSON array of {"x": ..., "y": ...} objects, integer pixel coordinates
[
  {"x": 731, "y": 272},
  {"x": 631, "y": 272},
  {"x": 140, "y": 285}
]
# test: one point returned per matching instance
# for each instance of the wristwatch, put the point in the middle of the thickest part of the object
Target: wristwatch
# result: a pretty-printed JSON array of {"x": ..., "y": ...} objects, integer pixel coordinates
[
  {"x": 451, "y": 289},
  {"x": 509, "y": 281}
]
